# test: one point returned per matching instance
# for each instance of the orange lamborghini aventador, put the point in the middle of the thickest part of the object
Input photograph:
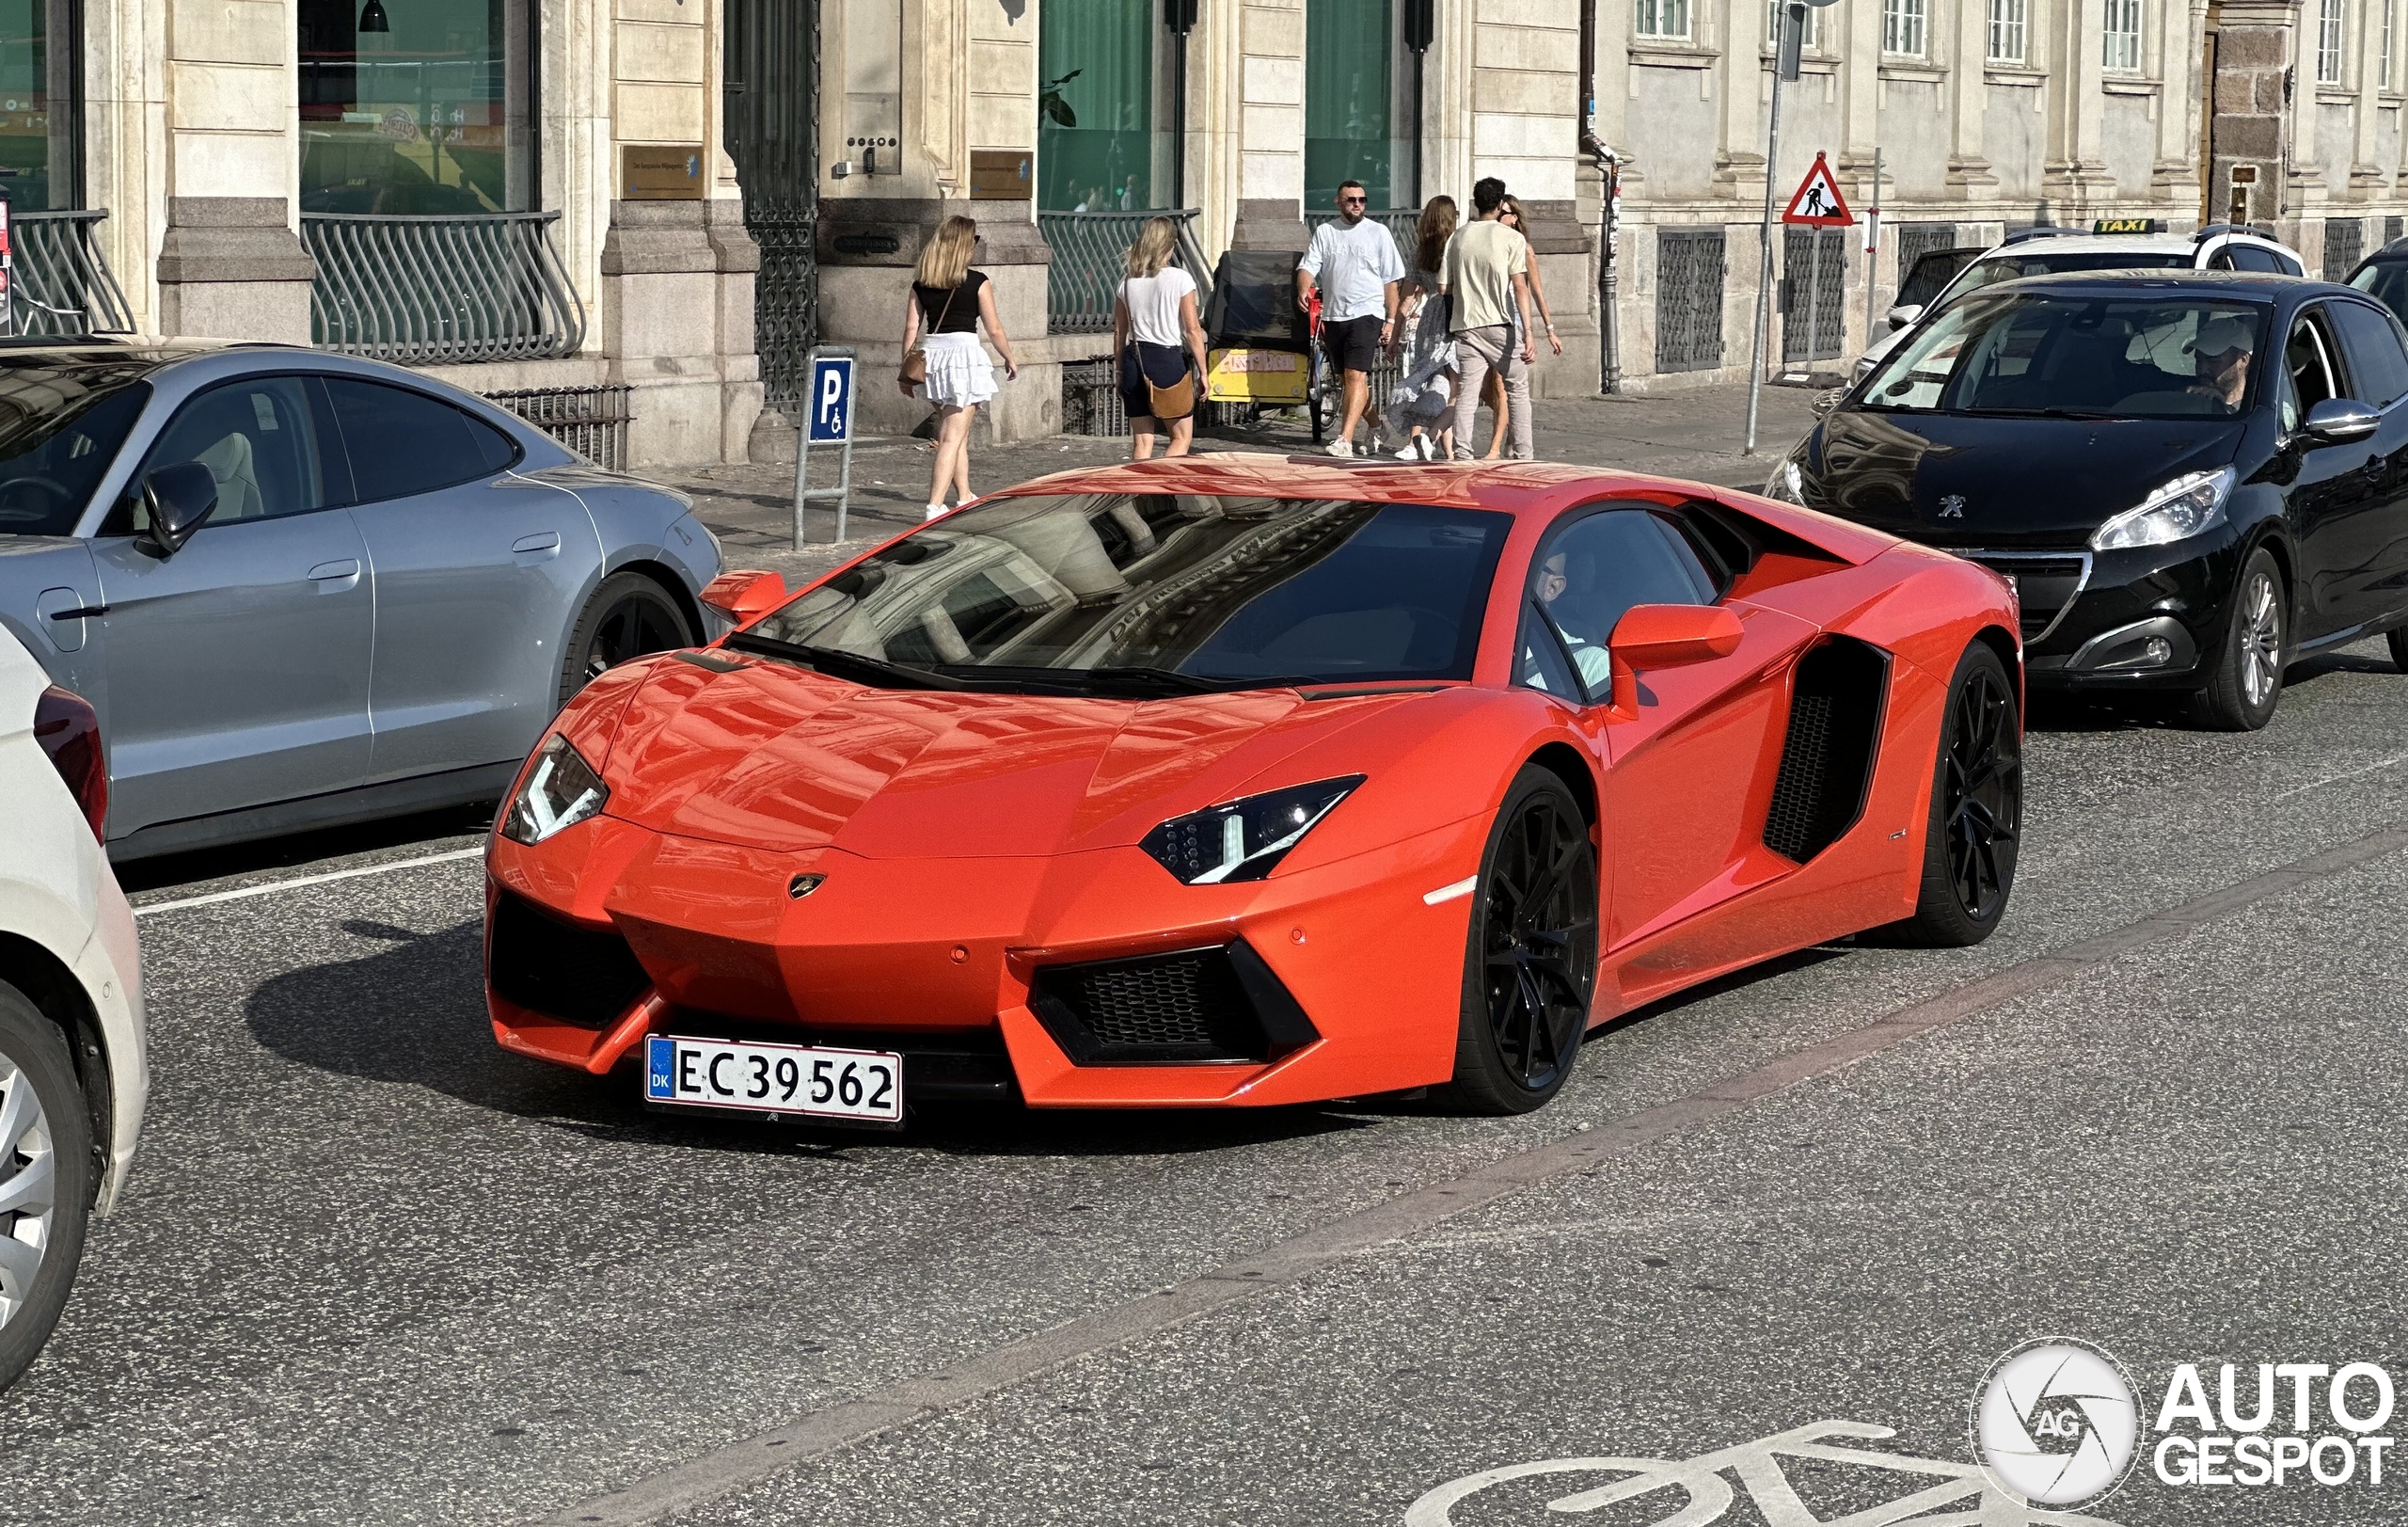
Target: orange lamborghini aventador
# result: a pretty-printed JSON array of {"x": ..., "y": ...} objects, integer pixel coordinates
[{"x": 1237, "y": 780}]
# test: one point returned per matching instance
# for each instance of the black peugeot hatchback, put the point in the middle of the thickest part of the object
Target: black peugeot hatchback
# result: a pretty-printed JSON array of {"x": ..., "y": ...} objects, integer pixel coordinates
[{"x": 2190, "y": 479}]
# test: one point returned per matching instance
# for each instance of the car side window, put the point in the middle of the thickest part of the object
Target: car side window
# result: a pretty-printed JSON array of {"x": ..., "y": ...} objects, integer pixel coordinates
[
  {"x": 258, "y": 436},
  {"x": 2250, "y": 257},
  {"x": 403, "y": 442},
  {"x": 2307, "y": 363},
  {"x": 2371, "y": 344},
  {"x": 1585, "y": 577}
]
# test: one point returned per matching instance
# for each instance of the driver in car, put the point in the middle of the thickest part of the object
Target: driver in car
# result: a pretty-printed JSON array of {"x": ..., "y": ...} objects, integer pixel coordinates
[
  {"x": 1596, "y": 667},
  {"x": 2221, "y": 354}
]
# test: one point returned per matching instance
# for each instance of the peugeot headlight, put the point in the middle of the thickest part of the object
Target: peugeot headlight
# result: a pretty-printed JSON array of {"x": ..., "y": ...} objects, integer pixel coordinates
[
  {"x": 562, "y": 791},
  {"x": 1787, "y": 483},
  {"x": 2190, "y": 504},
  {"x": 1243, "y": 839}
]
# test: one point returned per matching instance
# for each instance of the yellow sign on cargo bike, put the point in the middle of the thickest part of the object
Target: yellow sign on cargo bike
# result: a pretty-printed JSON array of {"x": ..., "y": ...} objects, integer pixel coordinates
[{"x": 1239, "y": 376}]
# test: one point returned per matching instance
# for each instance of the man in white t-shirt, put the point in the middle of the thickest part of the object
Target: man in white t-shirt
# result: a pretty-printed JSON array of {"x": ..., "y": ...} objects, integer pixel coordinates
[
  {"x": 1487, "y": 274},
  {"x": 1356, "y": 263}
]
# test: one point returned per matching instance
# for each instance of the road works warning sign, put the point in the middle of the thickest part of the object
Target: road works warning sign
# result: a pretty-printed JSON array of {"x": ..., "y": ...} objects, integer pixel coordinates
[{"x": 1818, "y": 202}]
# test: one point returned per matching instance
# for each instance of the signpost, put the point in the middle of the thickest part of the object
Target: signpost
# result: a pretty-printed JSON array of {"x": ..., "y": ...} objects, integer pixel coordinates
[
  {"x": 827, "y": 418},
  {"x": 1786, "y": 51},
  {"x": 1817, "y": 204}
]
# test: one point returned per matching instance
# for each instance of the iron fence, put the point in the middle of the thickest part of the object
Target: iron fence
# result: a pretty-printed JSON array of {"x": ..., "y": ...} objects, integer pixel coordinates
[
  {"x": 769, "y": 82},
  {"x": 1091, "y": 256},
  {"x": 1689, "y": 275},
  {"x": 2345, "y": 245},
  {"x": 436, "y": 290},
  {"x": 64, "y": 285},
  {"x": 2391, "y": 228},
  {"x": 590, "y": 421},
  {"x": 1814, "y": 290}
]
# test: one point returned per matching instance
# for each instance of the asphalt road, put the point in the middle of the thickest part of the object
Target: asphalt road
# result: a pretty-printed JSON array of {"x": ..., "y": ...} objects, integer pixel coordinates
[{"x": 372, "y": 1269}]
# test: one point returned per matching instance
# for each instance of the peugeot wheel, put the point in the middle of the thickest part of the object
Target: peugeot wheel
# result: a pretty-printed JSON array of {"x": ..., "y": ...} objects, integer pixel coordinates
[
  {"x": 1530, "y": 961},
  {"x": 629, "y": 616},
  {"x": 2246, "y": 677},
  {"x": 46, "y": 1180},
  {"x": 1976, "y": 809}
]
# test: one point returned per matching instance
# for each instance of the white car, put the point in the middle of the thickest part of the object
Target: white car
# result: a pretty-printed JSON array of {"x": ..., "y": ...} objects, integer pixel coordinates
[
  {"x": 73, "y": 1069},
  {"x": 2050, "y": 251}
]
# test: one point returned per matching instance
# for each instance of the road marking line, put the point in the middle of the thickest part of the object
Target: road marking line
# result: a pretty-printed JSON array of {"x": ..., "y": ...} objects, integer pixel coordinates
[
  {"x": 298, "y": 882},
  {"x": 2335, "y": 779},
  {"x": 742, "y": 1464}
]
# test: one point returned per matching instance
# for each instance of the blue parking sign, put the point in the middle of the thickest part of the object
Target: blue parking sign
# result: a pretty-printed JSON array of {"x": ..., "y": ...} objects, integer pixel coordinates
[{"x": 831, "y": 397}]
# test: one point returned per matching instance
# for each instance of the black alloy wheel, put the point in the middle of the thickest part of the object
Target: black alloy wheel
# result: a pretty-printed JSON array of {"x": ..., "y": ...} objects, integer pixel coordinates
[
  {"x": 2398, "y": 642},
  {"x": 1976, "y": 809},
  {"x": 1530, "y": 961},
  {"x": 2246, "y": 677},
  {"x": 630, "y": 616}
]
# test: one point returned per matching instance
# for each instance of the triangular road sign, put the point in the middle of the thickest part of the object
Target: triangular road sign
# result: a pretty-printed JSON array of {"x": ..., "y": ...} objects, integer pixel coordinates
[{"x": 1818, "y": 202}]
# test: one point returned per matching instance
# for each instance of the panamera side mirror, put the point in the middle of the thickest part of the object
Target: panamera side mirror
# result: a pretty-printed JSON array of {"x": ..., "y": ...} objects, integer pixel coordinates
[
  {"x": 744, "y": 593},
  {"x": 177, "y": 499},
  {"x": 2339, "y": 420},
  {"x": 1904, "y": 314}
]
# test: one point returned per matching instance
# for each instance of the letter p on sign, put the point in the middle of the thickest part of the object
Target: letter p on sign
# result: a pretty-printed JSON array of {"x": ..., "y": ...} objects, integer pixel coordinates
[{"x": 831, "y": 398}]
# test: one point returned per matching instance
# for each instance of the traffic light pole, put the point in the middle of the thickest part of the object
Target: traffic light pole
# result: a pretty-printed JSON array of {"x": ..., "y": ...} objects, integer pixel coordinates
[{"x": 1784, "y": 67}]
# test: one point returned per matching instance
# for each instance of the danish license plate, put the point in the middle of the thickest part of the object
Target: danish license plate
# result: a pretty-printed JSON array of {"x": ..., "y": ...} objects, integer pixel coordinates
[{"x": 864, "y": 1085}]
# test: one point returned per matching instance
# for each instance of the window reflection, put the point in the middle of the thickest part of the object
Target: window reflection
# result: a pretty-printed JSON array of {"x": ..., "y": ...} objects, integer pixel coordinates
[
  {"x": 1211, "y": 586},
  {"x": 38, "y": 98},
  {"x": 412, "y": 107}
]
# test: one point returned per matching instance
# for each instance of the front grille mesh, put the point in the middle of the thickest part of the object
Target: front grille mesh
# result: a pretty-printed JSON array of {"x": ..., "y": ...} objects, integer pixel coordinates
[
  {"x": 1220, "y": 1003},
  {"x": 1797, "y": 790},
  {"x": 1167, "y": 1001}
]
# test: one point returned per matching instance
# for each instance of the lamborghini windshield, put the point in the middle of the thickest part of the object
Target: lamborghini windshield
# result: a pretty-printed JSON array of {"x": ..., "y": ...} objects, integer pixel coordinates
[
  {"x": 1150, "y": 594},
  {"x": 2075, "y": 354}
]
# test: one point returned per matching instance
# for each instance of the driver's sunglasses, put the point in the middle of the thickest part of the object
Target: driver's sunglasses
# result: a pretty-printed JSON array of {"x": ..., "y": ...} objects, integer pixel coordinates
[{"x": 1352, "y": 201}]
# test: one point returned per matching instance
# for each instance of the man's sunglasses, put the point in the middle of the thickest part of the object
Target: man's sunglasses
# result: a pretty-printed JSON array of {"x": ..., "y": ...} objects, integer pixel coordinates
[{"x": 1352, "y": 201}]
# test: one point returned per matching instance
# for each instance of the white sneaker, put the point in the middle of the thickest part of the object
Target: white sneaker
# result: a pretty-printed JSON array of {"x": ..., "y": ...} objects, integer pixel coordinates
[
  {"x": 1342, "y": 449},
  {"x": 1410, "y": 451},
  {"x": 936, "y": 511}
]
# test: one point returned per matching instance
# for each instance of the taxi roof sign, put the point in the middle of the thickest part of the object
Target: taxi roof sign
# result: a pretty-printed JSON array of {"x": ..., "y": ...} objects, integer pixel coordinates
[{"x": 2129, "y": 225}]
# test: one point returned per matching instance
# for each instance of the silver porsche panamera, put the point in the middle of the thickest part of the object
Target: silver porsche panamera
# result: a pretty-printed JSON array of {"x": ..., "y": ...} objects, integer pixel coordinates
[{"x": 303, "y": 589}]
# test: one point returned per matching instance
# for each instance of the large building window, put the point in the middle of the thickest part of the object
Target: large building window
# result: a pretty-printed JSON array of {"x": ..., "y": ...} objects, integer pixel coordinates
[
  {"x": 415, "y": 107},
  {"x": 2328, "y": 43},
  {"x": 1349, "y": 100},
  {"x": 2006, "y": 32},
  {"x": 1810, "y": 31},
  {"x": 1662, "y": 18},
  {"x": 1902, "y": 27},
  {"x": 2121, "y": 50},
  {"x": 1095, "y": 115},
  {"x": 38, "y": 165}
]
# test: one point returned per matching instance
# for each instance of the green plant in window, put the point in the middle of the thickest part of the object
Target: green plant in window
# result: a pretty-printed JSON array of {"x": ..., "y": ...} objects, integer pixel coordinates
[{"x": 1050, "y": 101}]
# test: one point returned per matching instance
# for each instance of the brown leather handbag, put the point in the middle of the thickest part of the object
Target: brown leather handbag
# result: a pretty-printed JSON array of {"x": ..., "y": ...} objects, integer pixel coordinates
[
  {"x": 1174, "y": 402},
  {"x": 914, "y": 369}
]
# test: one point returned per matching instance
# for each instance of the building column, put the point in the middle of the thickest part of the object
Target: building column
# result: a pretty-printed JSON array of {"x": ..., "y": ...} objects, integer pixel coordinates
[
  {"x": 2074, "y": 174},
  {"x": 963, "y": 77},
  {"x": 1968, "y": 177},
  {"x": 2174, "y": 177},
  {"x": 2249, "y": 125},
  {"x": 1271, "y": 143},
  {"x": 1526, "y": 128},
  {"x": 231, "y": 264}
]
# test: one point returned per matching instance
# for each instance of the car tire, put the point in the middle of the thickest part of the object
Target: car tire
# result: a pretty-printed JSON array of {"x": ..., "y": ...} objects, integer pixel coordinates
[
  {"x": 1977, "y": 820},
  {"x": 629, "y": 616},
  {"x": 2246, "y": 680},
  {"x": 1530, "y": 958},
  {"x": 46, "y": 1179},
  {"x": 2399, "y": 641}
]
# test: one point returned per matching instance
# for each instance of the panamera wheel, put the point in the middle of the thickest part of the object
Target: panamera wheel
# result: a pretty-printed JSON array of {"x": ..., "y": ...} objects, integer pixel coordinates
[
  {"x": 1531, "y": 965},
  {"x": 1977, "y": 807},
  {"x": 630, "y": 616},
  {"x": 46, "y": 1180}
]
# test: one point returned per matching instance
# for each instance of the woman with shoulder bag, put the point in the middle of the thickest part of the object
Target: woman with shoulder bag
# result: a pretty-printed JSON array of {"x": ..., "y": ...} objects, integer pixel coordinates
[
  {"x": 1154, "y": 333},
  {"x": 943, "y": 360}
]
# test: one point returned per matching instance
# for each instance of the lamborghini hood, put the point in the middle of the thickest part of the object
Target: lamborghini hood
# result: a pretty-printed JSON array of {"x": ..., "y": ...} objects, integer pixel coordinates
[{"x": 779, "y": 757}]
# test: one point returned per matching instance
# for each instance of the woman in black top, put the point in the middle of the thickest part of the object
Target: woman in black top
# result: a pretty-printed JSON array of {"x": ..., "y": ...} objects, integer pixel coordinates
[{"x": 949, "y": 301}]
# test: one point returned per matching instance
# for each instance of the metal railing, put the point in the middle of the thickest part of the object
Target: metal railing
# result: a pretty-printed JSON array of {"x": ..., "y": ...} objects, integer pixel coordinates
[
  {"x": 590, "y": 421},
  {"x": 1091, "y": 256},
  {"x": 64, "y": 285},
  {"x": 1403, "y": 223},
  {"x": 436, "y": 291}
]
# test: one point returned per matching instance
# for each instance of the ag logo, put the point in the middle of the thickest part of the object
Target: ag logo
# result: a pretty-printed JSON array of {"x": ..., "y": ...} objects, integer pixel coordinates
[
  {"x": 1952, "y": 506},
  {"x": 2054, "y": 1423}
]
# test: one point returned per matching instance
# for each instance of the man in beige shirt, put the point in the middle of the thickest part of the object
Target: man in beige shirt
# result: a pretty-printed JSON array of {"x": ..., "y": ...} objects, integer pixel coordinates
[{"x": 1488, "y": 275}]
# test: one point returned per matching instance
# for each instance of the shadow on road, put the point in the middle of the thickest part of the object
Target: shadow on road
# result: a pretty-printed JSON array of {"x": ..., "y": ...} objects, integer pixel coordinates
[{"x": 414, "y": 1014}]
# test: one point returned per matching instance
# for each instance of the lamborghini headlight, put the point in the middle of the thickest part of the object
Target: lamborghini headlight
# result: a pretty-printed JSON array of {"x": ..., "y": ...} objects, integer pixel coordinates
[
  {"x": 2185, "y": 507},
  {"x": 562, "y": 791},
  {"x": 1243, "y": 839}
]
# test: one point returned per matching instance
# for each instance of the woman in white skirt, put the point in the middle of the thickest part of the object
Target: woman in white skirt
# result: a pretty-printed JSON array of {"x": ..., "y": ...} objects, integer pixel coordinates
[{"x": 949, "y": 301}]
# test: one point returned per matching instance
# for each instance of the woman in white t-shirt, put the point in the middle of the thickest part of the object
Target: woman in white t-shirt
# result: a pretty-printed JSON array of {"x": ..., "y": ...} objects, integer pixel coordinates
[{"x": 1154, "y": 332}]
